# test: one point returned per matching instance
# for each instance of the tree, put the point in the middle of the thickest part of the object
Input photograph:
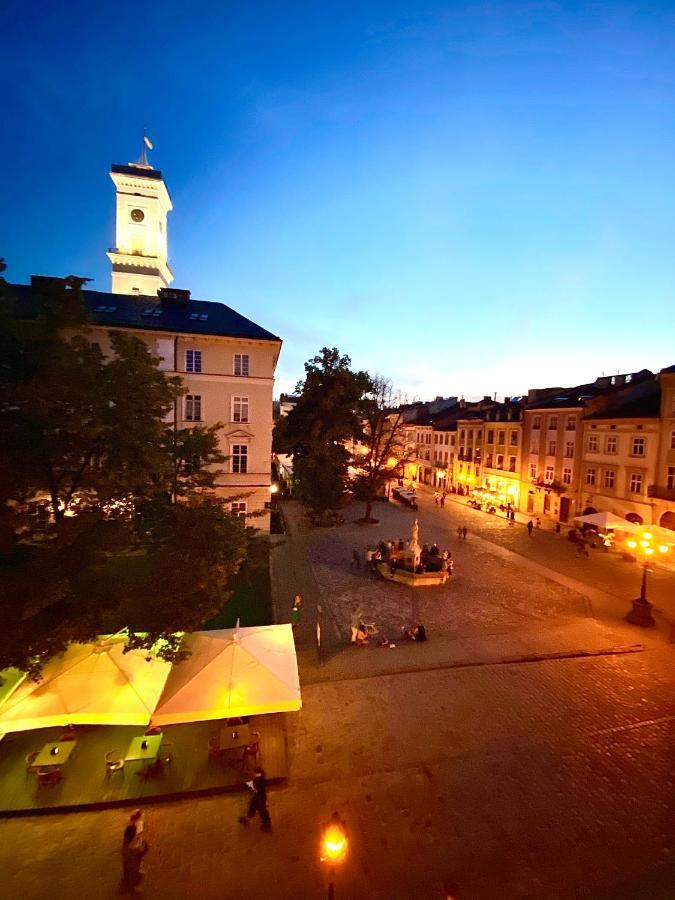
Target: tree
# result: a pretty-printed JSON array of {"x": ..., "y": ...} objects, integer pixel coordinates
[
  {"x": 326, "y": 415},
  {"x": 90, "y": 540},
  {"x": 382, "y": 442}
]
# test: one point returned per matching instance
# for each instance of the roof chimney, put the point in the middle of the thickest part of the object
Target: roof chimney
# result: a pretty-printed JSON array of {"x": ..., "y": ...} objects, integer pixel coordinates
[{"x": 173, "y": 295}]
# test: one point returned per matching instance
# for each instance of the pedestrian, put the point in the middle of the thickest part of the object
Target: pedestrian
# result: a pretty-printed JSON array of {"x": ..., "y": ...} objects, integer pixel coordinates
[
  {"x": 459, "y": 532},
  {"x": 296, "y": 612},
  {"x": 557, "y": 527},
  {"x": 258, "y": 802},
  {"x": 355, "y": 623},
  {"x": 356, "y": 559},
  {"x": 443, "y": 496},
  {"x": 134, "y": 848},
  {"x": 464, "y": 532},
  {"x": 436, "y": 497},
  {"x": 538, "y": 522},
  {"x": 530, "y": 526}
]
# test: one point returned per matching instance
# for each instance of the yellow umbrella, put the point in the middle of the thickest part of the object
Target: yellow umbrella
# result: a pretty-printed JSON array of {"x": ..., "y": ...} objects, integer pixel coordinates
[
  {"x": 233, "y": 672},
  {"x": 88, "y": 684}
]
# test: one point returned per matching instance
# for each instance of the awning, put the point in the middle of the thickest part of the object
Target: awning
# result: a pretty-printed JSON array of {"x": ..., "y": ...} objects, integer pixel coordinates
[
  {"x": 232, "y": 672},
  {"x": 88, "y": 684},
  {"x": 608, "y": 521}
]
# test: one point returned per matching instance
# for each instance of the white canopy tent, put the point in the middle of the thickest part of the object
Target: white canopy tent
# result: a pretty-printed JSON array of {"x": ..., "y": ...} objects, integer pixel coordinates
[
  {"x": 608, "y": 522},
  {"x": 88, "y": 684},
  {"x": 233, "y": 672}
]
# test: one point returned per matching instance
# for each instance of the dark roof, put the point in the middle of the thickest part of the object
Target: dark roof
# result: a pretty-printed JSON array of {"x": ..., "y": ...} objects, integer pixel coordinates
[
  {"x": 645, "y": 403},
  {"x": 152, "y": 314},
  {"x": 136, "y": 171},
  {"x": 668, "y": 369},
  {"x": 569, "y": 398}
]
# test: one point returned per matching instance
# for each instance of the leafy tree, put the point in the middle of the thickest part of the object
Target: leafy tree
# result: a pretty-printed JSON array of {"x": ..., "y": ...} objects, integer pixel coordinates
[
  {"x": 326, "y": 415},
  {"x": 382, "y": 443},
  {"x": 90, "y": 541}
]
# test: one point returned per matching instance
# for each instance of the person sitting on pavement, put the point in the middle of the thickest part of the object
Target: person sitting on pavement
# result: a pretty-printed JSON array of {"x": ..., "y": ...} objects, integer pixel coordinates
[
  {"x": 418, "y": 633},
  {"x": 361, "y": 635}
]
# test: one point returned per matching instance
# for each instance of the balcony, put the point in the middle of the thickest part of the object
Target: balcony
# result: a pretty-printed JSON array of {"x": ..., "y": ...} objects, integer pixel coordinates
[{"x": 658, "y": 492}]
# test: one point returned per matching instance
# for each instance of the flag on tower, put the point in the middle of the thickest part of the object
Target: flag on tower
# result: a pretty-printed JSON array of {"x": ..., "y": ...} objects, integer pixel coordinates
[{"x": 148, "y": 142}]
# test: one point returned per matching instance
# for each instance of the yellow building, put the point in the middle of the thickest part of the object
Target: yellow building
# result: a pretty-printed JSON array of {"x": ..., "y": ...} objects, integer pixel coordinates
[{"x": 662, "y": 490}]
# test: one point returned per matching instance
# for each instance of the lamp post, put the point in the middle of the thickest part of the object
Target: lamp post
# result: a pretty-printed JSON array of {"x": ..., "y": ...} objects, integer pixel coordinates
[
  {"x": 333, "y": 848},
  {"x": 641, "y": 613}
]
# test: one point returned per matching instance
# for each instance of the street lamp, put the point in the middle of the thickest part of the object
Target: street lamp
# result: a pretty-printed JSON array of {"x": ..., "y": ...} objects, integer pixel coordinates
[
  {"x": 641, "y": 613},
  {"x": 333, "y": 848}
]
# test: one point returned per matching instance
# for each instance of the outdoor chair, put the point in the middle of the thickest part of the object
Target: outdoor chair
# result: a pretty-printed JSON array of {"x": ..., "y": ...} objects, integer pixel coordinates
[
  {"x": 49, "y": 776},
  {"x": 113, "y": 763},
  {"x": 165, "y": 755},
  {"x": 30, "y": 760},
  {"x": 214, "y": 748}
]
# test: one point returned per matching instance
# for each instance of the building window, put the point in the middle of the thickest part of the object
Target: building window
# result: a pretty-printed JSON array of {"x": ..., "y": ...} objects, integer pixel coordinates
[
  {"x": 670, "y": 478},
  {"x": 593, "y": 443},
  {"x": 536, "y": 422},
  {"x": 567, "y": 475},
  {"x": 638, "y": 446},
  {"x": 500, "y": 437},
  {"x": 462, "y": 435},
  {"x": 241, "y": 363},
  {"x": 514, "y": 438},
  {"x": 488, "y": 460},
  {"x": 533, "y": 471},
  {"x": 240, "y": 409},
  {"x": 569, "y": 449},
  {"x": 500, "y": 460},
  {"x": 512, "y": 464},
  {"x": 635, "y": 484},
  {"x": 571, "y": 424},
  {"x": 551, "y": 448},
  {"x": 552, "y": 422},
  {"x": 193, "y": 360},
  {"x": 590, "y": 476},
  {"x": 490, "y": 436},
  {"x": 609, "y": 478},
  {"x": 610, "y": 444},
  {"x": 548, "y": 474},
  {"x": 193, "y": 408},
  {"x": 240, "y": 459},
  {"x": 672, "y": 440},
  {"x": 238, "y": 509}
]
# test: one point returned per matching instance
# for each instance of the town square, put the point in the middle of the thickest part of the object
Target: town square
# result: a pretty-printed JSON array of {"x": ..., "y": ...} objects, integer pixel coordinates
[{"x": 337, "y": 452}]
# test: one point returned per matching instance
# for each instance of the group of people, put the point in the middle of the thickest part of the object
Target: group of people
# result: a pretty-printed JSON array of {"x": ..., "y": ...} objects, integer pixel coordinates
[
  {"x": 396, "y": 553},
  {"x": 439, "y": 498},
  {"x": 532, "y": 525}
]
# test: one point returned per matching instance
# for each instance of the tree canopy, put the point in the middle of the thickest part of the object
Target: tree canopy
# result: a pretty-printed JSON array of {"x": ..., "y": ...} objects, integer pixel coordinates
[{"x": 93, "y": 538}]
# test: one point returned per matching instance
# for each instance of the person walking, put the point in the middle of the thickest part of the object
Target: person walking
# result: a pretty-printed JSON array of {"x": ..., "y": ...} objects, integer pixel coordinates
[
  {"x": 538, "y": 523},
  {"x": 134, "y": 848},
  {"x": 296, "y": 612},
  {"x": 258, "y": 802},
  {"x": 436, "y": 497},
  {"x": 464, "y": 531},
  {"x": 443, "y": 496},
  {"x": 530, "y": 526},
  {"x": 459, "y": 532}
]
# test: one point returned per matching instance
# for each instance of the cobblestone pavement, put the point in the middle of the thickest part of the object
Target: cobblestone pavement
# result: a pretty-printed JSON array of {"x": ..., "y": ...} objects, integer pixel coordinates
[{"x": 545, "y": 780}]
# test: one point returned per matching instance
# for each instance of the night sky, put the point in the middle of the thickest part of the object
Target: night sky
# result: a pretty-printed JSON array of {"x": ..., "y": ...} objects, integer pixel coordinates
[{"x": 467, "y": 198}]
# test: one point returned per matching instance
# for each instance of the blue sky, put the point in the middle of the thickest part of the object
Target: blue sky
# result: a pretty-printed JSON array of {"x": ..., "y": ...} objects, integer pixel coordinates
[{"x": 466, "y": 198}]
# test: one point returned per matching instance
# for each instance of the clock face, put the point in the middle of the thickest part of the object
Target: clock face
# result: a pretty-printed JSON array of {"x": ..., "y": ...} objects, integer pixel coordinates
[{"x": 137, "y": 215}]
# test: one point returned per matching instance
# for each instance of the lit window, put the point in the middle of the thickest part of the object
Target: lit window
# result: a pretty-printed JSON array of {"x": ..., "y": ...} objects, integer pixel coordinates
[
  {"x": 548, "y": 475},
  {"x": 635, "y": 485},
  {"x": 240, "y": 458},
  {"x": 500, "y": 460},
  {"x": 593, "y": 443},
  {"x": 238, "y": 509},
  {"x": 512, "y": 464},
  {"x": 500, "y": 437},
  {"x": 193, "y": 408},
  {"x": 514, "y": 438},
  {"x": 193, "y": 360},
  {"x": 638, "y": 446},
  {"x": 533, "y": 471},
  {"x": 551, "y": 448},
  {"x": 611, "y": 444},
  {"x": 609, "y": 478},
  {"x": 567, "y": 475},
  {"x": 590, "y": 476},
  {"x": 241, "y": 363},
  {"x": 569, "y": 449}
]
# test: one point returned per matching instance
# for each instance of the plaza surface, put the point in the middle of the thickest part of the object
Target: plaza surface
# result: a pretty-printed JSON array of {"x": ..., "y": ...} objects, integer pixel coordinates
[{"x": 525, "y": 751}]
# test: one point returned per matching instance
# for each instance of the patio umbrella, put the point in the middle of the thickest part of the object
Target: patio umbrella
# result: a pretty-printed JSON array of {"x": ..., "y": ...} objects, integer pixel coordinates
[
  {"x": 233, "y": 672},
  {"x": 88, "y": 684},
  {"x": 607, "y": 521}
]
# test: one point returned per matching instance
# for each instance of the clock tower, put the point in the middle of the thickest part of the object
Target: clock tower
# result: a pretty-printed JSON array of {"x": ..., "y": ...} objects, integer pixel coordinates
[{"x": 139, "y": 257}]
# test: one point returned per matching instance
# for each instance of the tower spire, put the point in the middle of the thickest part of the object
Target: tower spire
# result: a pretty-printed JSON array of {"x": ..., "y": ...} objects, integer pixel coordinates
[{"x": 142, "y": 161}]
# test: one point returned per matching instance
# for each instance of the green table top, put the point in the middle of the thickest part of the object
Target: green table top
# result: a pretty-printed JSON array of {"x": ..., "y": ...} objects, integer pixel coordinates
[
  {"x": 46, "y": 758},
  {"x": 137, "y": 752}
]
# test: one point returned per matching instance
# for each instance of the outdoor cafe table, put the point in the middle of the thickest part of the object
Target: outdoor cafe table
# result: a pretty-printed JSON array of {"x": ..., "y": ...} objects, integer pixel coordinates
[
  {"x": 228, "y": 741},
  {"x": 46, "y": 758},
  {"x": 138, "y": 753}
]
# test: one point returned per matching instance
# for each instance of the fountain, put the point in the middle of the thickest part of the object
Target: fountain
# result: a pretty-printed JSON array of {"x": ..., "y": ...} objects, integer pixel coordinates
[{"x": 403, "y": 568}]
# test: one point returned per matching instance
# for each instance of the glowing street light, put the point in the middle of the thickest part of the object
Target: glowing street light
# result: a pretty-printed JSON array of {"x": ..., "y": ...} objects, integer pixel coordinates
[
  {"x": 334, "y": 845},
  {"x": 641, "y": 613}
]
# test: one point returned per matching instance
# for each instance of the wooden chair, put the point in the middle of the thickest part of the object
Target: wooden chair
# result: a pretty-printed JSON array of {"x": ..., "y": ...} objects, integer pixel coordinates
[
  {"x": 49, "y": 776},
  {"x": 214, "y": 748},
  {"x": 30, "y": 762},
  {"x": 113, "y": 763}
]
